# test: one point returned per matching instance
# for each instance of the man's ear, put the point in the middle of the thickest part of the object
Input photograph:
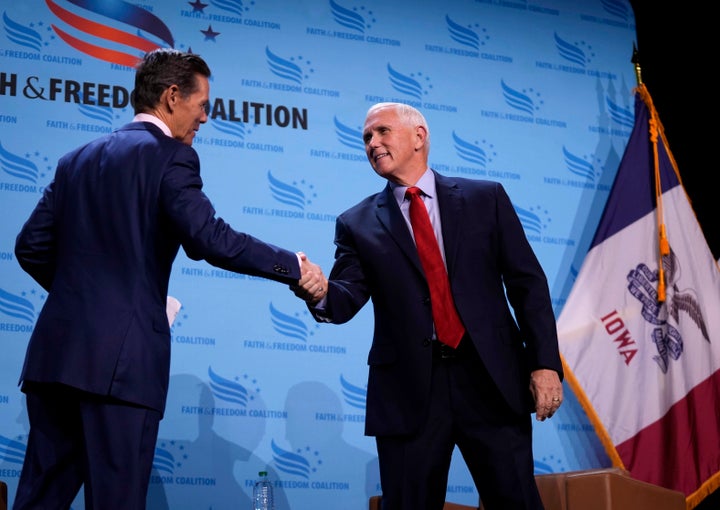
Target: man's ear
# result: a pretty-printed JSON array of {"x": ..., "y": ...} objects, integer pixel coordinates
[
  {"x": 420, "y": 137},
  {"x": 170, "y": 97}
]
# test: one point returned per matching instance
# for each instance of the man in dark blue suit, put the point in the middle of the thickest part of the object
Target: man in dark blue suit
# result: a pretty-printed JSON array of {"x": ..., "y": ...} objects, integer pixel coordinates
[
  {"x": 424, "y": 397},
  {"x": 101, "y": 241}
]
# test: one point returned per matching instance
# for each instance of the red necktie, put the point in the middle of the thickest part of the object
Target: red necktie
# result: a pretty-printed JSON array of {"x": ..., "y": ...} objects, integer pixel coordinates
[{"x": 448, "y": 326}]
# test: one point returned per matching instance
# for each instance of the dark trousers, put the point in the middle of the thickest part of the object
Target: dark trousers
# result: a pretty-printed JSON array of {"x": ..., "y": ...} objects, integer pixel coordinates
[
  {"x": 77, "y": 438},
  {"x": 465, "y": 410}
]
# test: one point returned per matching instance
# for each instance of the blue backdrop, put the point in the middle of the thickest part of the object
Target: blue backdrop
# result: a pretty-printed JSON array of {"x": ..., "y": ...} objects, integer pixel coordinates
[{"x": 535, "y": 94}]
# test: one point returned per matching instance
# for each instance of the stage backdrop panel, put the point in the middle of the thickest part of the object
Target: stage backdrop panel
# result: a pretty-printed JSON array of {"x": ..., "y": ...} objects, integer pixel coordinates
[{"x": 535, "y": 94}]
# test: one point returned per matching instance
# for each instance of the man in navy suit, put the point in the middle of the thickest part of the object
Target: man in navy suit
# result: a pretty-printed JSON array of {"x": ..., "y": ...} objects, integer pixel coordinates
[
  {"x": 424, "y": 397},
  {"x": 101, "y": 241}
]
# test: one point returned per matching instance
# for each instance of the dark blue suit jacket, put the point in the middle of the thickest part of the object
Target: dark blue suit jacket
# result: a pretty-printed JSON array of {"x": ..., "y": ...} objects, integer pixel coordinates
[
  {"x": 102, "y": 241},
  {"x": 487, "y": 255}
]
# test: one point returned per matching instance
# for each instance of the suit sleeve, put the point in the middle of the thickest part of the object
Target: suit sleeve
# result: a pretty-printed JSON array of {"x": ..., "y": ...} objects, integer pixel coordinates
[
  {"x": 527, "y": 289},
  {"x": 205, "y": 236},
  {"x": 35, "y": 247},
  {"x": 347, "y": 286}
]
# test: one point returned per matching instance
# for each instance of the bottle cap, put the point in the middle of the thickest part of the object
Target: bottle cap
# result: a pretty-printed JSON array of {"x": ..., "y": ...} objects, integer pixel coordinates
[{"x": 262, "y": 473}]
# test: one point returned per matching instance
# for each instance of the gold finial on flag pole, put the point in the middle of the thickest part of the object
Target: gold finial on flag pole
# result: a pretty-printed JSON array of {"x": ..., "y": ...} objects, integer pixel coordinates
[{"x": 636, "y": 62}]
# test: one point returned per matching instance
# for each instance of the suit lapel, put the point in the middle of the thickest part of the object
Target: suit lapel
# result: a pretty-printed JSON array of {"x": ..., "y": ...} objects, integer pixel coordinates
[
  {"x": 389, "y": 215},
  {"x": 450, "y": 202}
]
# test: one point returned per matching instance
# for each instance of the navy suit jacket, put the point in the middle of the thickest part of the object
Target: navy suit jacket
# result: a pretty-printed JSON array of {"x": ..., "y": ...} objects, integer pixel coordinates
[
  {"x": 102, "y": 240},
  {"x": 488, "y": 257}
]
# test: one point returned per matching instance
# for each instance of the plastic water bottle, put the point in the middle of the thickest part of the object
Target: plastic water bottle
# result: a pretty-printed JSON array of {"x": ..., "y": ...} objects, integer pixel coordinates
[{"x": 263, "y": 493}]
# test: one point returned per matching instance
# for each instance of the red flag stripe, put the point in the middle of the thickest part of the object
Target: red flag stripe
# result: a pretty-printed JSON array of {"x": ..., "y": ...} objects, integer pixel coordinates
[{"x": 688, "y": 435}]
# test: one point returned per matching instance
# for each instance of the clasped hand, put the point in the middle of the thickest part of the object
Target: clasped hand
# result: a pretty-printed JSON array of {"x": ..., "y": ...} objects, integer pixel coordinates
[{"x": 312, "y": 285}]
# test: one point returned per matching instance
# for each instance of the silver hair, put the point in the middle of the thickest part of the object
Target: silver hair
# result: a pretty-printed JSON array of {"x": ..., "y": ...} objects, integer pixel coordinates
[{"x": 408, "y": 114}]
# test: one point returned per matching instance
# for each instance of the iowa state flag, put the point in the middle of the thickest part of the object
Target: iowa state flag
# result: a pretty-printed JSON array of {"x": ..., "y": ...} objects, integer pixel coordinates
[{"x": 640, "y": 331}]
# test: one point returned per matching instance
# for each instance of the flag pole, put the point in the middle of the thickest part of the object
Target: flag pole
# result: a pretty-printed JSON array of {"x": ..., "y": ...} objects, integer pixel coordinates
[
  {"x": 636, "y": 62},
  {"x": 655, "y": 131}
]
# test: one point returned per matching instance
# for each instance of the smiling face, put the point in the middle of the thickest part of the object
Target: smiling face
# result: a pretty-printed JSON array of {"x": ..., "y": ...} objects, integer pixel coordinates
[
  {"x": 395, "y": 146},
  {"x": 190, "y": 111}
]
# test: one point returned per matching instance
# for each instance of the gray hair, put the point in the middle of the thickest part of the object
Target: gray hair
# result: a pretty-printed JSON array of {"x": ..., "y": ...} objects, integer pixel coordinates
[{"x": 407, "y": 113}]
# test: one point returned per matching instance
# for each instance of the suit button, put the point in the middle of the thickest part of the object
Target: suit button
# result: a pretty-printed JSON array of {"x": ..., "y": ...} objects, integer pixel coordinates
[
  {"x": 426, "y": 301},
  {"x": 278, "y": 268},
  {"x": 426, "y": 342}
]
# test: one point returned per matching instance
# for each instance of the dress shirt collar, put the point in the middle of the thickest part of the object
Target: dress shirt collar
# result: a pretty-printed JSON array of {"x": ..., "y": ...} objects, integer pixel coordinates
[
  {"x": 146, "y": 117},
  {"x": 426, "y": 183}
]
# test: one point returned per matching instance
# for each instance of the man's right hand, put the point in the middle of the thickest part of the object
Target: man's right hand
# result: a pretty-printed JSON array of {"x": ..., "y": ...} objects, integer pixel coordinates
[{"x": 312, "y": 285}]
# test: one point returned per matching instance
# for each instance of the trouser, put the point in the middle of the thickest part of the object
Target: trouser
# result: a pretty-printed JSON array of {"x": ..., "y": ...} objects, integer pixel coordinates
[
  {"x": 81, "y": 439},
  {"x": 467, "y": 410}
]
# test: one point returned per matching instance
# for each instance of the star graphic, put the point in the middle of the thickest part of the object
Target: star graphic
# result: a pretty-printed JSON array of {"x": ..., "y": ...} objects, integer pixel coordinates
[
  {"x": 209, "y": 34},
  {"x": 198, "y": 6}
]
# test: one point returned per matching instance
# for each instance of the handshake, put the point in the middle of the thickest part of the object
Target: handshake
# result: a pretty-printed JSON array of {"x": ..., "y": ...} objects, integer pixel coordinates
[{"x": 312, "y": 285}]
